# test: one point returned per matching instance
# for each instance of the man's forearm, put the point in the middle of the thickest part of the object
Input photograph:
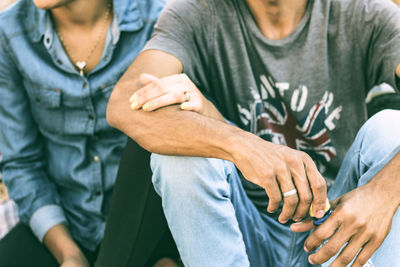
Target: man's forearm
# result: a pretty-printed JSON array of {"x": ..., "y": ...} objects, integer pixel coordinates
[
  {"x": 168, "y": 130},
  {"x": 172, "y": 131}
]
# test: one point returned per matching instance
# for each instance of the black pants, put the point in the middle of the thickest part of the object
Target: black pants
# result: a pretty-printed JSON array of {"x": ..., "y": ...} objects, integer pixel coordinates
[
  {"x": 136, "y": 233},
  {"x": 20, "y": 248}
]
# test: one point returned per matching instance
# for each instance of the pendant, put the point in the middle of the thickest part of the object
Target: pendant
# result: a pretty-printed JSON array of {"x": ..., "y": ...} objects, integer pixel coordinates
[{"x": 81, "y": 65}]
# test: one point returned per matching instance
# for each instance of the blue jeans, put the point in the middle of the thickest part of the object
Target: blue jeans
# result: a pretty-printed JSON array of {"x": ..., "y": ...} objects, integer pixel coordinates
[{"x": 215, "y": 224}]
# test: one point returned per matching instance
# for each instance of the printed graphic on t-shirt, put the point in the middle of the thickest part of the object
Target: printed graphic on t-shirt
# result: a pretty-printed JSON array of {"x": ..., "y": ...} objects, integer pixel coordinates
[{"x": 269, "y": 117}]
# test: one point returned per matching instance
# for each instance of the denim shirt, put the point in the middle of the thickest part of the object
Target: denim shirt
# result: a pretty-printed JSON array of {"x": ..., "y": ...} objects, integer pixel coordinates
[{"x": 59, "y": 155}]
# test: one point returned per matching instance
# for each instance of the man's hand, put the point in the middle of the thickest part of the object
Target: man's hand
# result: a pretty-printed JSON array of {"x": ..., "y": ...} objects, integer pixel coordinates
[
  {"x": 175, "y": 89},
  {"x": 288, "y": 169},
  {"x": 280, "y": 169},
  {"x": 361, "y": 218},
  {"x": 276, "y": 168}
]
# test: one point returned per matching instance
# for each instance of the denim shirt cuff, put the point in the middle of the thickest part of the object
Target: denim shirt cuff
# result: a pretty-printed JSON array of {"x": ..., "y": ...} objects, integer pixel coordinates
[{"x": 45, "y": 218}]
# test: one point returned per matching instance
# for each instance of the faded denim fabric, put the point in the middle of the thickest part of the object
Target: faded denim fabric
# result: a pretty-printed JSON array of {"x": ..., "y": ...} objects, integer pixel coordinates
[
  {"x": 214, "y": 222},
  {"x": 60, "y": 157}
]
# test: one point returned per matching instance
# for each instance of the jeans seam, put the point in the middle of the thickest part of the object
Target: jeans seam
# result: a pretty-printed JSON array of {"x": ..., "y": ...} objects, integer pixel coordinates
[{"x": 291, "y": 249}]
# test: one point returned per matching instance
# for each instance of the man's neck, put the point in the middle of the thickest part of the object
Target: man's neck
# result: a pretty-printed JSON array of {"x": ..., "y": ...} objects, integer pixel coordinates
[
  {"x": 84, "y": 14},
  {"x": 277, "y": 18}
]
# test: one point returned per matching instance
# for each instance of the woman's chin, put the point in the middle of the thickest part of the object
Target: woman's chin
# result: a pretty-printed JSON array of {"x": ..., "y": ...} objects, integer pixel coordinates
[{"x": 50, "y": 4}]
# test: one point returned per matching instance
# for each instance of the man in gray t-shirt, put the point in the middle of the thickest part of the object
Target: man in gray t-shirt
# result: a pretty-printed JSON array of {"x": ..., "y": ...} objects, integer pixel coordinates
[{"x": 294, "y": 73}]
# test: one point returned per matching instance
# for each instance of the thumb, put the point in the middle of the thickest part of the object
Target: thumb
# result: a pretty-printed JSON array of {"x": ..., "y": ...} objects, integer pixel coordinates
[
  {"x": 303, "y": 226},
  {"x": 146, "y": 78}
]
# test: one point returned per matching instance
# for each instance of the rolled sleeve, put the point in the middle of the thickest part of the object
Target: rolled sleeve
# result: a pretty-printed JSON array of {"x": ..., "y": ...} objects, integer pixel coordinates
[
  {"x": 45, "y": 218},
  {"x": 23, "y": 161}
]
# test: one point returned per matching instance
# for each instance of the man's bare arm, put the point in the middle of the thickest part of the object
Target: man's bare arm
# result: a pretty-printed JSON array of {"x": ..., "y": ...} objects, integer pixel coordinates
[
  {"x": 171, "y": 131},
  {"x": 398, "y": 71},
  {"x": 168, "y": 130}
]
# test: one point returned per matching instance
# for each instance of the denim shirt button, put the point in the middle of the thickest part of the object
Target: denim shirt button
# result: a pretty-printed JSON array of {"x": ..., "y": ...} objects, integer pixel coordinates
[
  {"x": 91, "y": 116},
  {"x": 96, "y": 159},
  {"x": 98, "y": 192},
  {"x": 59, "y": 62},
  {"x": 37, "y": 99},
  {"x": 85, "y": 85}
]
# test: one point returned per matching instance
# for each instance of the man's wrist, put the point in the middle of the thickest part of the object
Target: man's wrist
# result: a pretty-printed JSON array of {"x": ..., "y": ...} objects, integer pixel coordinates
[{"x": 236, "y": 145}]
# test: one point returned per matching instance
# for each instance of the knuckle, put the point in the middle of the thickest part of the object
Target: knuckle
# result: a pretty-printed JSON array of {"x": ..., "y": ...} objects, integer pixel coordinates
[
  {"x": 371, "y": 234},
  {"x": 268, "y": 173},
  {"x": 157, "y": 83},
  {"x": 280, "y": 168},
  {"x": 319, "y": 235},
  {"x": 306, "y": 199},
  {"x": 359, "y": 222},
  {"x": 275, "y": 198},
  {"x": 292, "y": 160},
  {"x": 330, "y": 249},
  {"x": 292, "y": 200},
  {"x": 362, "y": 260},
  {"x": 321, "y": 187},
  {"x": 345, "y": 259},
  {"x": 306, "y": 158}
]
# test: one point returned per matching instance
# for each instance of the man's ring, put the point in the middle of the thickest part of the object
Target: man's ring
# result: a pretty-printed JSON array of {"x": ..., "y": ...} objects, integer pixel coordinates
[
  {"x": 187, "y": 96},
  {"x": 290, "y": 193}
]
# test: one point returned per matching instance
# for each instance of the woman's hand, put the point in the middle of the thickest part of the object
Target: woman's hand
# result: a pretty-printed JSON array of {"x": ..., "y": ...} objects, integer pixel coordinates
[
  {"x": 175, "y": 89},
  {"x": 78, "y": 260}
]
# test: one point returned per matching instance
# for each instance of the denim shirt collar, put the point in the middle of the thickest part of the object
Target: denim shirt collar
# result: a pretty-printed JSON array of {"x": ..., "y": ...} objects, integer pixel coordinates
[{"x": 127, "y": 17}]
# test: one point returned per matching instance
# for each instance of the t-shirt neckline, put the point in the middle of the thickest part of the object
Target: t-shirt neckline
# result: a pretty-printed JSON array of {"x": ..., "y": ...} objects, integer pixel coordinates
[{"x": 255, "y": 31}]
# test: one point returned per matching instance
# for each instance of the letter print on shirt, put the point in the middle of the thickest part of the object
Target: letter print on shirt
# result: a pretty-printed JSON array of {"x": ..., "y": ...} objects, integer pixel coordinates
[{"x": 269, "y": 117}]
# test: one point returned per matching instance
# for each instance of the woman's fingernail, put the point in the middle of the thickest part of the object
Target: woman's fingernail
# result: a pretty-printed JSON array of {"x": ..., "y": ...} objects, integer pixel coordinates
[
  {"x": 147, "y": 106},
  {"x": 184, "y": 106},
  {"x": 134, "y": 105},
  {"x": 310, "y": 260},
  {"x": 133, "y": 98},
  {"x": 306, "y": 250},
  {"x": 297, "y": 219}
]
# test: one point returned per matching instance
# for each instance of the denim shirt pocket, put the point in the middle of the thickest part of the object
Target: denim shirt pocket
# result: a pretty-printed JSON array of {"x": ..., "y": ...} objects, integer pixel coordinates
[{"x": 46, "y": 108}]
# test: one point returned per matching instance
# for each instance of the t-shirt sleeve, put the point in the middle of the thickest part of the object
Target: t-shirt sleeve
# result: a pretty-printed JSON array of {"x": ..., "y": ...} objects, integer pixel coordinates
[
  {"x": 183, "y": 30},
  {"x": 379, "y": 37}
]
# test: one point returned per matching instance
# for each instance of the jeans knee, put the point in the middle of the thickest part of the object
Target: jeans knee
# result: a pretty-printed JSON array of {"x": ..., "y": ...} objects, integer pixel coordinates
[
  {"x": 184, "y": 174},
  {"x": 380, "y": 135}
]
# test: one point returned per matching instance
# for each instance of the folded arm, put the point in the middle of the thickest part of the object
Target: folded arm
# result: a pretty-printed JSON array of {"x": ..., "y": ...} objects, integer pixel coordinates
[{"x": 172, "y": 131}]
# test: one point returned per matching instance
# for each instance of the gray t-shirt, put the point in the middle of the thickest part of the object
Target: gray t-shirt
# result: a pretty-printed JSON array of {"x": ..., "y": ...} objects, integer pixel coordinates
[{"x": 322, "y": 71}]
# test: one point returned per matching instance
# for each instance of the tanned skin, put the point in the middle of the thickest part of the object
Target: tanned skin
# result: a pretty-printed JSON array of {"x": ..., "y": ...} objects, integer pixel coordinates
[{"x": 167, "y": 129}]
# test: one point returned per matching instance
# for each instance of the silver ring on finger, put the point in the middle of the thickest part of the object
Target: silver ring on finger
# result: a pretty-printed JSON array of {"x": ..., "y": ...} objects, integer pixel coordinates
[
  {"x": 187, "y": 95},
  {"x": 289, "y": 193}
]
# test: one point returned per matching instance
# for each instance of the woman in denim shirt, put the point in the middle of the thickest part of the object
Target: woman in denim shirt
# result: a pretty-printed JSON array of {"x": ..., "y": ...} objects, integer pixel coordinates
[{"x": 59, "y": 61}]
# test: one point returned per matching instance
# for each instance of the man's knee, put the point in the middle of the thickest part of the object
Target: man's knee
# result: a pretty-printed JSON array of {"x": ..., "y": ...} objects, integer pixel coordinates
[
  {"x": 380, "y": 135},
  {"x": 183, "y": 174}
]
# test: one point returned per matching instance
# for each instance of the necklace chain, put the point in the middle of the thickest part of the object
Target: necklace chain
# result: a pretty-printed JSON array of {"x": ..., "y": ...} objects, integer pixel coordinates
[{"x": 81, "y": 65}]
